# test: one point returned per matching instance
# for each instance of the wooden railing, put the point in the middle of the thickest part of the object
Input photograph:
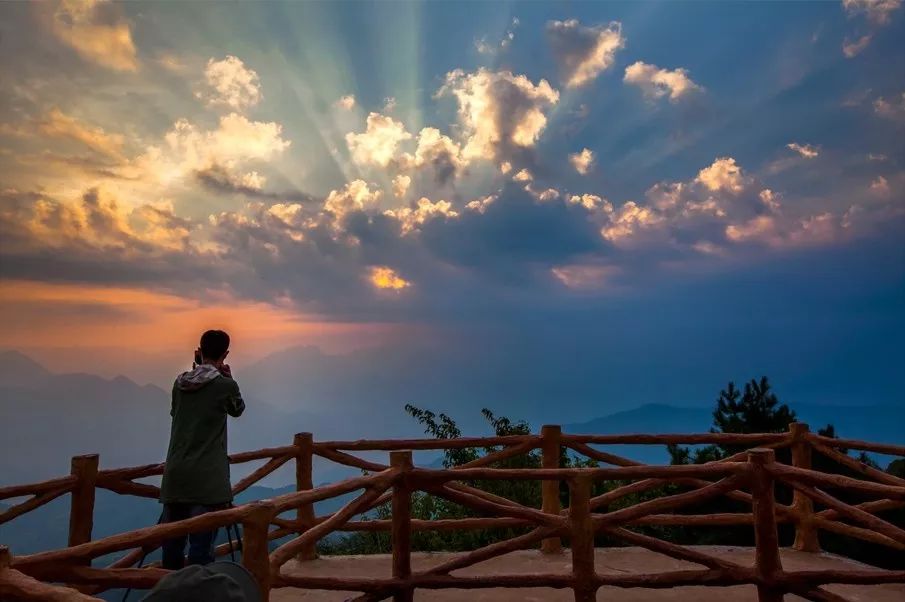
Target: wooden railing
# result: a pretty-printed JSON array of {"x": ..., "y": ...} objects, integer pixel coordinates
[{"x": 749, "y": 476}]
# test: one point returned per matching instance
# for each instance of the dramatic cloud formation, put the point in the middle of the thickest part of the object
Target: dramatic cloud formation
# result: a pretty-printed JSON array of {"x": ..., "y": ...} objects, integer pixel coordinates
[
  {"x": 724, "y": 174},
  {"x": 385, "y": 278},
  {"x": 401, "y": 185},
  {"x": 437, "y": 151},
  {"x": 57, "y": 124},
  {"x": 95, "y": 29},
  {"x": 584, "y": 52},
  {"x": 377, "y": 145},
  {"x": 805, "y": 150},
  {"x": 411, "y": 218},
  {"x": 231, "y": 84},
  {"x": 657, "y": 83},
  {"x": 499, "y": 111},
  {"x": 453, "y": 210},
  {"x": 188, "y": 149},
  {"x": 583, "y": 161},
  {"x": 877, "y": 11}
]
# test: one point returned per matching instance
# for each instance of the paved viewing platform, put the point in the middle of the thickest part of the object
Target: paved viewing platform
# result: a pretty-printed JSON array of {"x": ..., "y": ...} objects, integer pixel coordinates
[{"x": 630, "y": 560}]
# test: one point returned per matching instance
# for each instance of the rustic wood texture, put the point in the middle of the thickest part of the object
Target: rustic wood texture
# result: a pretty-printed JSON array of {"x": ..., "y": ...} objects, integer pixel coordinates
[
  {"x": 254, "y": 547},
  {"x": 551, "y": 448},
  {"x": 581, "y": 540},
  {"x": 791, "y": 474},
  {"x": 729, "y": 477},
  {"x": 875, "y": 523},
  {"x": 124, "y": 487},
  {"x": 15, "y": 585},
  {"x": 260, "y": 473},
  {"x": 37, "y": 488},
  {"x": 806, "y": 538},
  {"x": 401, "y": 534},
  {"x": 81, "y": 509},
  {"x": 348, "y": 459},
  {"x": 687, "y": 439},
  {"x": 857, "y": 466},
  {"x": 375, "y": 487},
  {"x": 880, "y": 448},
  {"x": 30, "y": 504},
  {"x": 767, "y": 563}
]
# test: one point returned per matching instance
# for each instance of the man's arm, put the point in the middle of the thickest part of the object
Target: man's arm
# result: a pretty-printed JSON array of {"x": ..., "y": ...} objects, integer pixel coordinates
[{"x": 234, "y": 404}]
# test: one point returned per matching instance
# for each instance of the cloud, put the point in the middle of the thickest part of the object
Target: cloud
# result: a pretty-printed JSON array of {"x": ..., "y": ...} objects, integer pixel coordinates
[
  {"x": 880, "y": 186},
  {"x": 629, "y": 219},
  {"x": 188, "y": 149},
  {"x": 582, "y": 52},
  {"x": 57, "y": 124},
  {"x": 891, "y": 109},
  {"x": 805, "y": 150},
  {"x": 657, "y": 83},
  {"x": 385, "y": 278},
  {"x": 354, "y": 196},
  {"x": 96, "y": 30},
  {"x": 876, "y": 11},
  {"x": 92, "y": 230},
  {"x": 723, "y": 174},
  {"x": 222, "y": 180},
  {"x": 485, "y": 47},
  {"x": 346, "y": 102},
  {"x": 439, "y": 152},
  {"x": 583, "y": 161},
  {"x": 583, "y": 276},
  {"x": 498, "y": 111},
  {"x": 852, "y": 49},
  {"x": 412, "y": 217},
  {"x": 401, "y": 185},
  {"x": 378, "y": 143},
  {"x": 231, "y": 84},
  {"x": 523, "y": 175}
]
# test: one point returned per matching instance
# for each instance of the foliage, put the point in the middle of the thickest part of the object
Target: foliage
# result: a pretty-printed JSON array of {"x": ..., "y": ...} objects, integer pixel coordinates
[
  {"x": 429, "y": 507},
  {"x": 756, "y": 409}
]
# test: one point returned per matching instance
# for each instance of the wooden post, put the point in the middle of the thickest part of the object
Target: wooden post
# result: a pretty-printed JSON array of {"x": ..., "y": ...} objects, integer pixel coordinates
[
  {"x": 81, "y": 510},
  {"x": 402, "y": 523},
  {"x": 767, "y": 562},
  {"x": 551, "y": 435},
  {"x": 806, "y": 538},
  {"x": 581, "y": 535},
  {"x": 255, "y": 554},
  {"x": 304, "y": 444},
  {"x": 5, "y": 558}
]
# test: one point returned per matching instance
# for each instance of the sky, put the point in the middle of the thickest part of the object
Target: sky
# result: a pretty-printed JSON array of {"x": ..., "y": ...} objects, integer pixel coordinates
[{"x": 642, "y": 192}]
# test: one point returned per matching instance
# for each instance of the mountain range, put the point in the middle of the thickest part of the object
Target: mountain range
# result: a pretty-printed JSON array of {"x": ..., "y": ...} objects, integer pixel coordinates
[{"x": 49, "y": 417}]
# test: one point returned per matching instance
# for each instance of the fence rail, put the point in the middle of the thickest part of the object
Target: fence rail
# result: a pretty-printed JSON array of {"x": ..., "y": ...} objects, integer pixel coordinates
[{"x": 750, "y": 476}]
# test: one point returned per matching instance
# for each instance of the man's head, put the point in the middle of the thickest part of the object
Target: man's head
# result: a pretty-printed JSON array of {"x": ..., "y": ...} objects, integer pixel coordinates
[{"x": 214, "y": 346}]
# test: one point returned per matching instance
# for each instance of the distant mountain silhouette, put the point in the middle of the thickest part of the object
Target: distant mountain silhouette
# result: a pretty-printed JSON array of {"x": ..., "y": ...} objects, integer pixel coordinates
[{"x": 49, "y": 417}]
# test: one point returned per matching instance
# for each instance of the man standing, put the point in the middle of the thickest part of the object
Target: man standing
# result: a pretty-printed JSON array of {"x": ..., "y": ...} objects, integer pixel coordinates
[{"x": 196, "y": 476}]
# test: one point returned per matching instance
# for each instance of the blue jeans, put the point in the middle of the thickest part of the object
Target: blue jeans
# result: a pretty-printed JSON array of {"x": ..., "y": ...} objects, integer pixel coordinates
[{"x": 201, "y": 545}]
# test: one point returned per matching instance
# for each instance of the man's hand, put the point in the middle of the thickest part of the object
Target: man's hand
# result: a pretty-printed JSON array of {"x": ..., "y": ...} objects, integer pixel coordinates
[{"x": 226, "y": 371}]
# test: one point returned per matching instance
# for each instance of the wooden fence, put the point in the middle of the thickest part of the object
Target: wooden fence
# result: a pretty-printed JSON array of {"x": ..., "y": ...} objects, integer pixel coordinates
[{"x": 750, "y": 476}]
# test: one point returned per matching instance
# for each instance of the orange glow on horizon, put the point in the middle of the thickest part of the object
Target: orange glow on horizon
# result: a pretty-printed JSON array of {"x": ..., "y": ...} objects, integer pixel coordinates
[{"x": 38, "y": 314}]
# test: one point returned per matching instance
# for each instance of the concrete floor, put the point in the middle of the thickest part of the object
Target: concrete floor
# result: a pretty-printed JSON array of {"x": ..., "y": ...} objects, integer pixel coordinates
[{"x": 609, "y": 560}]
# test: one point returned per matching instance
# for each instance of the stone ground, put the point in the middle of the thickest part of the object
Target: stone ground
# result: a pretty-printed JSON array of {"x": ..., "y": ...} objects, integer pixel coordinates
[{"x": 609, "y": 560}]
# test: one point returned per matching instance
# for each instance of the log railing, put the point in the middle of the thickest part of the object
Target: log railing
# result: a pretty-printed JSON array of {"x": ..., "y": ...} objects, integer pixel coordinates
[{"x": 750, "y": 476}]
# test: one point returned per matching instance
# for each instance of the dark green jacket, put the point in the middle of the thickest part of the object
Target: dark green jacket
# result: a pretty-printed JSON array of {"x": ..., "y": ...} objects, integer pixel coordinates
[{"x": 197, "y": 468}]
